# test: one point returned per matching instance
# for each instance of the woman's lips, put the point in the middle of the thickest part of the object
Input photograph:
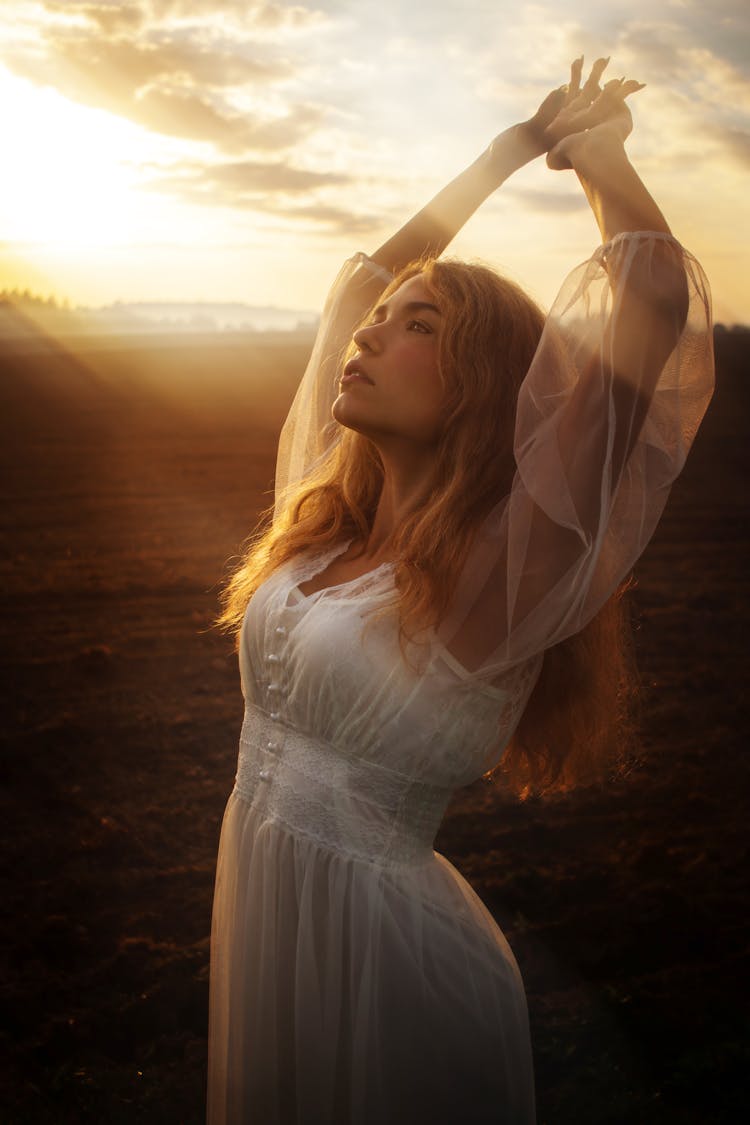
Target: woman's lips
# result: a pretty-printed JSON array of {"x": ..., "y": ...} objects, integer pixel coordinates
[{"x": 353, "y": 373}]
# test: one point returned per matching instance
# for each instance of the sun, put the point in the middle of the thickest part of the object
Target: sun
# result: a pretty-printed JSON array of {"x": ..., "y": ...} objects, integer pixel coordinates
[
  {"x": 72, "y": 175},
  {"x": 83, "y": 216}
]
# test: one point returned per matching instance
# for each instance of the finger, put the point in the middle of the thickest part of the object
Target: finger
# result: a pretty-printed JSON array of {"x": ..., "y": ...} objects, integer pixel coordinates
[
  {"x": 553, "y": 101},
  {"x": 618, "y": 89},
  {"x": 631, "y": 87},
  {"x": 550, "y": 108},
  {"x": 556, "y": 158},
  {"x": 610, "y": 100},
  {"x": 613, "y": 89},
  {"x": 599, "y": 67},
  {"x": 592, "y": 82},
  {"x": 574, "y": 85},
  {"x": 580, "y": 102}
]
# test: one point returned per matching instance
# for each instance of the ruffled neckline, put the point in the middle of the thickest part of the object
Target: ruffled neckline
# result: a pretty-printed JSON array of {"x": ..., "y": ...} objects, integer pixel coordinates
[{"x": 312, "y": 563}]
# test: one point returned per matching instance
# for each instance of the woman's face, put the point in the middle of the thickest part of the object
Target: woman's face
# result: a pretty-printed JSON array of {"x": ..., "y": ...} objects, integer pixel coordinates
[{"x": 391, "y": 391}]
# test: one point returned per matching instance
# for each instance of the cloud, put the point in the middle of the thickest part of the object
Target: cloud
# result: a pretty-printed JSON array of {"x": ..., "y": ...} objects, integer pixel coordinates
[
  {"x": 717, "y": 80},
  {"x": 275, "y": 16},
  {"x": 335, "y": 220},
  {"x": 243, "y": 183},
  {"x": 652, "y": 48},
  {"x": 200, "y": 81},
  {"x": 196, "y": 56},
  {"x": 249, "y": 176},
  {"x": 721, "y": 29},
  {"x": 135, "y": 84},
  {"x": 110, "y": 17},
  {"x": 737, "y": 143},
  {"x": 547, "y": 202},
  {"x": 113, "y": 15},
  {"x": 698, "y": 105},
  {"x": 674, "y": 54},
  {"x": 273, "y": 188},
  {"x": 180, "y": 113}
]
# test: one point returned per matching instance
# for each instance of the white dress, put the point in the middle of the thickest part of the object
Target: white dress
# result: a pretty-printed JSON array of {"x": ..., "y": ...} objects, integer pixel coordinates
[{"x": 356, "y": 978}]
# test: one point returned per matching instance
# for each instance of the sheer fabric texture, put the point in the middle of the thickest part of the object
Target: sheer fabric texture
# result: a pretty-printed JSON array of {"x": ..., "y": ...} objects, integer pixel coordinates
[{"x": 356, "y": 978}]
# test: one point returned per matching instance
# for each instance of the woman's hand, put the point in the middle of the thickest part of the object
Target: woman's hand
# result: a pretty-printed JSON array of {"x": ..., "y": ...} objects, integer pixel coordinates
[
  {"x": 590, "y": 116},
  {"x": 572, "y": 109},
  {"x": 587, "y": 134},
  {"x": 566, "y": 113}
]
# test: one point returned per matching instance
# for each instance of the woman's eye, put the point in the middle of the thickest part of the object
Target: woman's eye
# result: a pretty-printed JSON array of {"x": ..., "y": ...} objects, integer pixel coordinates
[{"x": 418, "y": 326}]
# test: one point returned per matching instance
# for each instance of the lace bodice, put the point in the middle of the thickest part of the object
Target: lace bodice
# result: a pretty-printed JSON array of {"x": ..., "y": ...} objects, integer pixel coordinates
[{"x": 356, "y": 748}]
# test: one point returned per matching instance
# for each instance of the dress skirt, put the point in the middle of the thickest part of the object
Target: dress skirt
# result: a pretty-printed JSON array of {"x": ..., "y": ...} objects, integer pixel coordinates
[{"x": 353, "y": 991}]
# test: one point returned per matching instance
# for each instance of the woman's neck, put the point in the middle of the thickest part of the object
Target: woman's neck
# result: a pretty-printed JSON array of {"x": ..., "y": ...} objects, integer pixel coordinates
[{"x": 406, "y": 482}]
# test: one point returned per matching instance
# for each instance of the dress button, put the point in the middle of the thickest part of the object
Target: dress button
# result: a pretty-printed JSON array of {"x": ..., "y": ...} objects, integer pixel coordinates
[
  {"x": 280, "y": 630},
  {"x": 272, "y": 746},
  {"x": 275, "y": 716},
  {"x": 272, "y": 658},
  {"x": 264, "y": 775},
  {"x": 273, "y": 687}
]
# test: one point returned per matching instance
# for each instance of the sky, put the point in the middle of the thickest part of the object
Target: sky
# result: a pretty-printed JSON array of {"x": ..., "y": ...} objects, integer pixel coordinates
[{"x": 240, "y": 150}]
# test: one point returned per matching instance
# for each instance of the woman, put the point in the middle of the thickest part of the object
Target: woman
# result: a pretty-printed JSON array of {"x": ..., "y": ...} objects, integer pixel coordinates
[{"x": 480, "y": 491}]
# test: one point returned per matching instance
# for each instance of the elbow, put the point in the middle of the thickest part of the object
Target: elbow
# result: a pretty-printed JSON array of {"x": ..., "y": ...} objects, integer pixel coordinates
[
  {"x": 655, "y": 298},
  {"x": 666, "y": 289}
]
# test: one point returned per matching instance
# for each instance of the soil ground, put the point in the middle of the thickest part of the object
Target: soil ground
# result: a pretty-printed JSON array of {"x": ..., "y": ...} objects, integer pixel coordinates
[{"x": 132, "y": 474}]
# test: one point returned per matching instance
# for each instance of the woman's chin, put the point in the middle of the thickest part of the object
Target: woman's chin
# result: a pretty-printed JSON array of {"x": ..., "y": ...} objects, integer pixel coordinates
[{"x": 345, "y": 412}]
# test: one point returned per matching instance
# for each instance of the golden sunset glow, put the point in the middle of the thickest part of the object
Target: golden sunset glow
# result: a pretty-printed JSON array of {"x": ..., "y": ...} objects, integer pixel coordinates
[
  {"x": 474, "y": 866},
  {"x": 195, "y": 149},
  {"x": 72, "y": 184}
]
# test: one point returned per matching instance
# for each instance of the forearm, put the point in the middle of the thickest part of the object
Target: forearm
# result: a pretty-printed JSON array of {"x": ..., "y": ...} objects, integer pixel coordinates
[
  {"x": 617, "y": 196},
  {"x": 431, "y": 229},
  {"x": 649, "y": 286}
]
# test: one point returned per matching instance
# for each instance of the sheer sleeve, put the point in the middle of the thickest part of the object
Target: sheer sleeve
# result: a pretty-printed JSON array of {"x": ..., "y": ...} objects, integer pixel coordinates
[
  {"x": 309, "y": 430},
  {"x": 605, "y": 418}
]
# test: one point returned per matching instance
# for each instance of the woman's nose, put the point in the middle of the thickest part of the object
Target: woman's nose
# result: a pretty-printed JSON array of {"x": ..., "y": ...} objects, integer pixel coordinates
[{"x": 366, "y": 337}]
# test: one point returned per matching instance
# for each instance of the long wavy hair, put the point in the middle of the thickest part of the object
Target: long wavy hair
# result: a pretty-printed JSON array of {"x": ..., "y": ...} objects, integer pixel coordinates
[{"x": 577, "y": 723}]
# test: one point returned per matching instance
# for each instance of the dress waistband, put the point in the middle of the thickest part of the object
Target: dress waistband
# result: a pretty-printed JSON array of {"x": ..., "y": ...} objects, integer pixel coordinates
[{"x": 352, "y": 806}]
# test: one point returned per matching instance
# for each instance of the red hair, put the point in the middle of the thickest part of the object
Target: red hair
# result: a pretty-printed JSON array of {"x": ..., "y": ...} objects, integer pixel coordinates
[{"x": 576, "y": 721}]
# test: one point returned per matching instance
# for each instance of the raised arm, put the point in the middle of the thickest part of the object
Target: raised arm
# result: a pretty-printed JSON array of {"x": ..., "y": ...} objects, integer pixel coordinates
[
  {"x": 605, "y": 417},
  {"x": 589, "y": 134},
  {"x": 649, "y": 286},
  {"x": 308, "y": 431},
  {"x": 431, "y": 229}
]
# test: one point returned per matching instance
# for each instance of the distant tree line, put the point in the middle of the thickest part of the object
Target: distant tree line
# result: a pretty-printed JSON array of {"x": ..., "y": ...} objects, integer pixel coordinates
[
  {"x": 24, "y": 298},
  {"x": 57, "y": 315}
]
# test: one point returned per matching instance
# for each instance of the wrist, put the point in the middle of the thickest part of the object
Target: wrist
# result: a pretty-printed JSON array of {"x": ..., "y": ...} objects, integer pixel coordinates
[
  {"x": 619, "y": 199},
  {"x": 596, "y": 153},
  {"x": 513, "y": 148}
]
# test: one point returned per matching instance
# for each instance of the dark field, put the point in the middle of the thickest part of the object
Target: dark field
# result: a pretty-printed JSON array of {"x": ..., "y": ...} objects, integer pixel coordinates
[{"x": 131, "y": 475}]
